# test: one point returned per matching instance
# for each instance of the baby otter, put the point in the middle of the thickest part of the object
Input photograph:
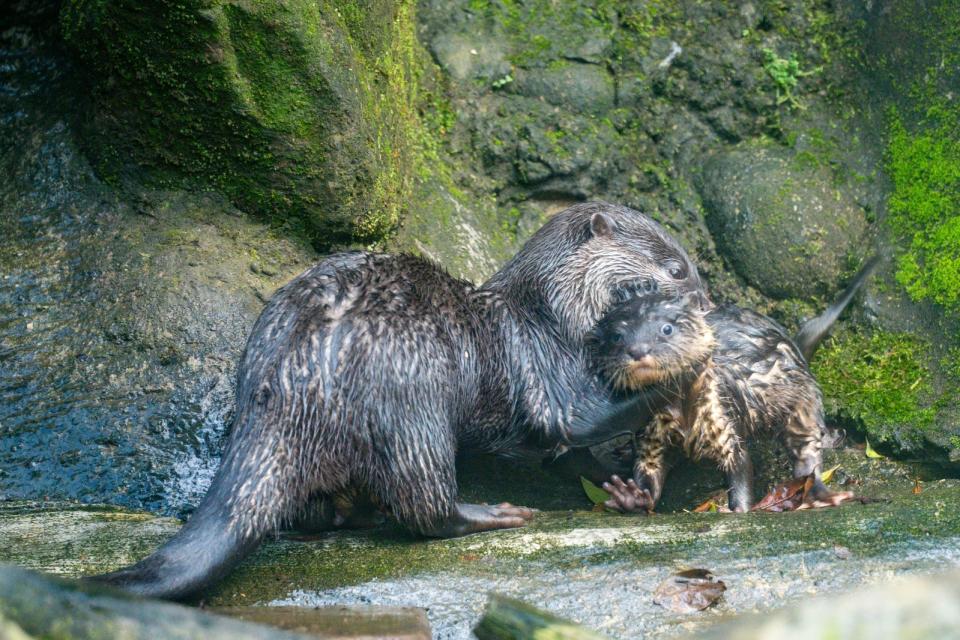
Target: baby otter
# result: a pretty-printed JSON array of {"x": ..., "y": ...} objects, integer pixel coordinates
[{"x": 727, "y": 373}]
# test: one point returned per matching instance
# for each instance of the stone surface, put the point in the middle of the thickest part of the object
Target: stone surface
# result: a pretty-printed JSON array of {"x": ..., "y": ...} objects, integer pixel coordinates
[
  {"x": 596, "y": 569},
  {"x": 915, "y": 607},
  {"x": 781, "y": 223}
]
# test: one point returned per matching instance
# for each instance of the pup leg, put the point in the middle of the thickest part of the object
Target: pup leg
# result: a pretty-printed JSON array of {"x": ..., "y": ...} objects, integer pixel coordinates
[
  {"x": 804, "y": 439},
  {"x": 641, "y": 493}
]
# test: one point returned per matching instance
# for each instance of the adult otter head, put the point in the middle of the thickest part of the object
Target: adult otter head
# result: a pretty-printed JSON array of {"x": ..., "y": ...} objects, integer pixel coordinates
[
  {"x": 651, "y": 339},
  {"x": 573, "y": 266}
]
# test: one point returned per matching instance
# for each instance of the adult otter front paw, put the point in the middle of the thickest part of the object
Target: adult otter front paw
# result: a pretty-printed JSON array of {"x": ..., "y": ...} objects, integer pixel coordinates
[{"x": 628, "y": 497}]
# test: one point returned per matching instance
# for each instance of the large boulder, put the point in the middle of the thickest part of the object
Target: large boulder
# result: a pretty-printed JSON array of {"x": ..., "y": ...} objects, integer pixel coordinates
[
  {"x": 780, "y": 222},
  {"x": 302, "y": 111}
]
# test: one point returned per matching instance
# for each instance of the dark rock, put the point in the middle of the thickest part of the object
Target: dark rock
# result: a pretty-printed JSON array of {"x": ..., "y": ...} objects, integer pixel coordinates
[
  {"x": 583, "y": 88},
  {"x": 124, "y": 313},
  {"x": 782, "y": 224}
]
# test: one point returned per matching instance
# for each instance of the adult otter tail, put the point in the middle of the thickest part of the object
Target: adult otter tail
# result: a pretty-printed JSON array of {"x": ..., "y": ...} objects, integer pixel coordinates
[
  {"x": 814, "y": 330},
  {"x": 252, "y": 492}
]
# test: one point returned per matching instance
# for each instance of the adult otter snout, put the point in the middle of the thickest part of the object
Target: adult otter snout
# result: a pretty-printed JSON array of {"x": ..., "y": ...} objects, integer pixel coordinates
[{"x": 372, "y": 370}]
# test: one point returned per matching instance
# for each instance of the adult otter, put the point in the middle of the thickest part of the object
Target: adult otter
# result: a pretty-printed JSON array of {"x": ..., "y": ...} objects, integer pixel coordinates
[
  {"x": 730, "y": 373},
  {"x": 371, "y": 370}
]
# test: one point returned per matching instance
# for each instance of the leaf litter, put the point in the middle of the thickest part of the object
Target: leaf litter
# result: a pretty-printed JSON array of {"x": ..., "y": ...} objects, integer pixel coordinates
[{"x": 689, "y": 591}]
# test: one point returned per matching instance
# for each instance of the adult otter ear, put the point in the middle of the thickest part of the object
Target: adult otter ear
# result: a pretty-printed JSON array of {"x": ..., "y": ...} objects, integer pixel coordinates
[{"x": 601, "y": 224}]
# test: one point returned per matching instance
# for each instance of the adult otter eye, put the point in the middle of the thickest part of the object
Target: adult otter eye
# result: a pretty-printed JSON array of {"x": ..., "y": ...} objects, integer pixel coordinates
[
  {"x": 677, "y": 272},
  {"x": 666, "y": 329}
]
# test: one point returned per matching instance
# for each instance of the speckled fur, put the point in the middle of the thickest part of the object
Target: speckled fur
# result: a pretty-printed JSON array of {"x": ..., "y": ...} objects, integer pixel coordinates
[
  {"x": 372, "y": 370},
  {"x": 729, "y": 373}
]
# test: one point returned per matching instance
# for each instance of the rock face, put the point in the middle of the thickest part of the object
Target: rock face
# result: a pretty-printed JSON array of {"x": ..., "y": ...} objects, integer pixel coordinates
[
  {"x": 123, "y": 313},
  {"x": 127, "y": 297},
  {"x": 781, "y": 224}
]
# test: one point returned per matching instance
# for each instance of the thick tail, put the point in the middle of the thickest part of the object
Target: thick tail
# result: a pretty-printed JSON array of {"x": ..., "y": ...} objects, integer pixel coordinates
[
  {"x": 814, "y": 330},
  {"x": 250, "y": 496}
]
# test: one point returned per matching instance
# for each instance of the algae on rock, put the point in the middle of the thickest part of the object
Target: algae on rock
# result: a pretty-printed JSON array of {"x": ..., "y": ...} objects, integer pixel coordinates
[{"x": 303, "y": 111}]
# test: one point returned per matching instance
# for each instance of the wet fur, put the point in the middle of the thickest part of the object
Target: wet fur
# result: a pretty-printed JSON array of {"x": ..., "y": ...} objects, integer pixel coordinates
[
  {"x": 728, "y": 374},
  {"x": 371, "y": 371}
]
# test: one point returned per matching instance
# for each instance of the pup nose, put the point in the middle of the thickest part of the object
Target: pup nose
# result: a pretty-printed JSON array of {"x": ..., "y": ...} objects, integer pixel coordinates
[{"x": 639, "y": 351}]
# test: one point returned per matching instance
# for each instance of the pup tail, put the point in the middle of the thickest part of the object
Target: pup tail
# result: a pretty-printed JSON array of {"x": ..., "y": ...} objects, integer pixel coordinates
[
  {"x": 251, "y": 494},
  {"x": 813, "y": 331}
]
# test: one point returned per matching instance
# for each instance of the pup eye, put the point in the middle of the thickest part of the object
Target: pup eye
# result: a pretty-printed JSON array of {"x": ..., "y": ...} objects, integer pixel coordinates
[
  {"x": 677, "y": 272},
  {"x": 666, "y": 329}
]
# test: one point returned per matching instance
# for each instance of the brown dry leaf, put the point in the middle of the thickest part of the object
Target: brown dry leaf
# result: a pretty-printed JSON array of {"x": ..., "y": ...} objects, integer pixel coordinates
[
  {"x": 787, "y": 496},
  {"x": 796, "y": 496},
  {"x": 714, "y": 504},
  {"x": 917, "y": 489},
  {"x": 689, "y": 591}
]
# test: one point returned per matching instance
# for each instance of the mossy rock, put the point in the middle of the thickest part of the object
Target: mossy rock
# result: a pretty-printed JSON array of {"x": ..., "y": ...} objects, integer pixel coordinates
[
  {"x": 783, "y": 225},
  {"x": 302, "y": 111},
  {"x": 34, "y": 606}
]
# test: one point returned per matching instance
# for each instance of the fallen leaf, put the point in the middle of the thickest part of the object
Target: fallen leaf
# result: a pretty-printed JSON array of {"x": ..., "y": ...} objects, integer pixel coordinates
[
  {"x": 707, "y": 507},
  {"x": 917, "y": 489},
  {"x": 796, "y": 496},
  {"x": 689, "y": 591},
  {"x": 827, "y": 475},
  {"x": 785, "y": 497},
  {"x": 871, "y": 453},
  {"x": 842, "y": 552},
  {"x": 595, "y": 493},
  {"x": 833, "y": 500},
  {"x": 715, "y": 503}
]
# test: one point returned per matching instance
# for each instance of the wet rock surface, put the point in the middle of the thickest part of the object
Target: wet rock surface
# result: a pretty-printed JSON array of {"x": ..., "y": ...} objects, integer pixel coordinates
[
  {"x": 598, "y": 569},
  {"x": 124, "y": 311},
  {"x": 125, "y": 300}
]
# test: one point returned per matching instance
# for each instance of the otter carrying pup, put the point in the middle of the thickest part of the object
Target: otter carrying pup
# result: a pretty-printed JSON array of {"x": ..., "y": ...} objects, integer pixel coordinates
[
  {"x": 370, "y": 371},
  {"x": 729, "y": 372}
]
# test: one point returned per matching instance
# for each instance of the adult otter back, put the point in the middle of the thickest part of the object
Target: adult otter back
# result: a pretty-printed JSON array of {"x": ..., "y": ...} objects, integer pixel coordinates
[{"x": 371, "y": 370}]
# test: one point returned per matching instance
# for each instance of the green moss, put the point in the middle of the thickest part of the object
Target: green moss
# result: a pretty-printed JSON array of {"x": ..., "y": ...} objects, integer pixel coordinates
[
  {"x": 882, "y": 380},
  {"x": 925, "y": 205}
]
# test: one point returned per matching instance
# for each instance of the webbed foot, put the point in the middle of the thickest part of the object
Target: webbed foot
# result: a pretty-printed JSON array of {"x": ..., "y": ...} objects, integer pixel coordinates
[
  {"x": 628, "y": 497},
  {"x": 474, "y": 518}
]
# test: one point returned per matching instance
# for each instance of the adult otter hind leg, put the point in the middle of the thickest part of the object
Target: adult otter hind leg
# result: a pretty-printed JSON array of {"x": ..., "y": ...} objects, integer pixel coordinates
[{"x": 417, "y": 481}]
